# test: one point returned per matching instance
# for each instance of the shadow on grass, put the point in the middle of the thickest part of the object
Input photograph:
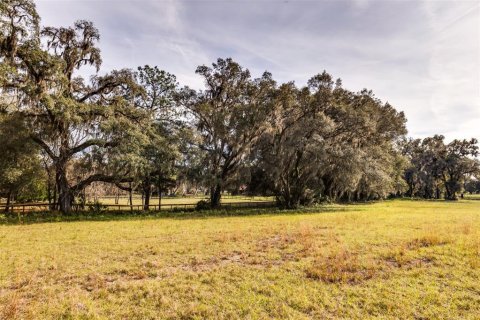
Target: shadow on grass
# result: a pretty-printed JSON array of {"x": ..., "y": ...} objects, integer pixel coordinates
[{"x": 49, "y": 216}]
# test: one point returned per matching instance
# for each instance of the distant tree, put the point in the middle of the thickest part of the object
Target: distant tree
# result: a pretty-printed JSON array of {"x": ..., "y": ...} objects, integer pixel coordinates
[
  {"x": 459, "y": 163},
  {"x": 424, "y": 173},
  {"x": 437, "y": 167},
  {"x": 161, "y": 152},
  {"x": 472, "y": 186},
  {"x": 193, "y": 164}
]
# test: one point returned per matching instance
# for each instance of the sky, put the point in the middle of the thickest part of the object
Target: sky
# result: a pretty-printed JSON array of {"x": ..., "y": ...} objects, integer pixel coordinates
[{"x": 423, "y": 57}]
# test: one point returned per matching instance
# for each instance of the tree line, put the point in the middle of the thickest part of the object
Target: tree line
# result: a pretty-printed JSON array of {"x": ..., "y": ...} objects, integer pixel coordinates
[{"x": 139, "y": 130}]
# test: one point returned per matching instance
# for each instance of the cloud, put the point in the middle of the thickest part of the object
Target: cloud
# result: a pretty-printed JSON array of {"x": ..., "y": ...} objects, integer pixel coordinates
[
  {"x": 454, "y": 66},
  {"x": 421, "y": 56}
]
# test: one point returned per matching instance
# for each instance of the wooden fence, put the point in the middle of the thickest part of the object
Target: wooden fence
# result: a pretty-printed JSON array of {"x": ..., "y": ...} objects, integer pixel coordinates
[{"x": 30, "y": 207}]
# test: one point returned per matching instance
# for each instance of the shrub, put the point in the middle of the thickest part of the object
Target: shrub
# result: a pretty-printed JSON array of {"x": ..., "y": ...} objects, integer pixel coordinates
[
  {"x": 96, "y": 207},
  {"x": 203, "y": 205}
]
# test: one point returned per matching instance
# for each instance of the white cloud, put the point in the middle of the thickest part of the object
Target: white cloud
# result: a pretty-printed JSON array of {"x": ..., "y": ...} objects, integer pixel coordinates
[
  {"x": 421, "y": 56},
  {"x": 454, "y": 66}
]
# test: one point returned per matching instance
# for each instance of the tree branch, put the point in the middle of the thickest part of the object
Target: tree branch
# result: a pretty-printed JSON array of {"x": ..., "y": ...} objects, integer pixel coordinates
[
  {"x": 92, "y": 142},
  {"x": 99, "y": 90},
  {"x": 44, "y": 146},
  {"x": 98, "y": 177}
]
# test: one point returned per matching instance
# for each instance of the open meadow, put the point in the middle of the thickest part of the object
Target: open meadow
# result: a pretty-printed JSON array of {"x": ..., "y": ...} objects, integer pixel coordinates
[
  {"x": 137, "y": 200},
  {"x": 123, "y": 203},
  {"x": 392, "y": 259},
  {"x": 136, "y": 142}
]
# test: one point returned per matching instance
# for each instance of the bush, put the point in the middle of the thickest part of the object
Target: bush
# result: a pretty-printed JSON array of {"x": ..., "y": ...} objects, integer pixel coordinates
[
  {"x": 96, "y": 207},
  {"x": 203, "y": 205}
]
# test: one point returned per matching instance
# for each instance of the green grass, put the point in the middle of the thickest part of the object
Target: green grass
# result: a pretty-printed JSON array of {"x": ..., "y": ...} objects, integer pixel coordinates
[{"x": 389, "y": 260}]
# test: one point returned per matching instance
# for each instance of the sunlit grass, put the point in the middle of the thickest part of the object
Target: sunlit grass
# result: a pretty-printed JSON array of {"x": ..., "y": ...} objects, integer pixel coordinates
[
  {"x": 137, "y": 200},
  {"x": 472, "y": 196},
  {"x": 395, "y": 259}
]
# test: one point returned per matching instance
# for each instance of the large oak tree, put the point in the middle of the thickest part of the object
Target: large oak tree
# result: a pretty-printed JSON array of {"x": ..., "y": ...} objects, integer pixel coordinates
[
  {"x": 230, "y": 115},
  {"x": 68, "y": 117}
]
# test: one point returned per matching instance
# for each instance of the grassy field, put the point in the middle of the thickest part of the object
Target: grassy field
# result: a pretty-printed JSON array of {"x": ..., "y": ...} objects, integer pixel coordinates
[
  {"x": 137, "y": 200},
  {"x": 472, "y": 196},
  {"x": 389, "y": 260}
]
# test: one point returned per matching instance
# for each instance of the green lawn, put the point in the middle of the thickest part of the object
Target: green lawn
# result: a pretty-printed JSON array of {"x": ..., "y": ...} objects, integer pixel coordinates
[{"x": 389, "y": 260}]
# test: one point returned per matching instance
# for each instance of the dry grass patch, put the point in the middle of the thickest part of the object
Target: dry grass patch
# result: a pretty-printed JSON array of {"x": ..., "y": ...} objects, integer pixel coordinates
[
  {"x": 406, "y": 254},
  {"x": 11, "y": 307},
  {"x": 401, "y": 258},
  {"x": 341, "y": 266},
  {"x": 472, "y": 249},
  {"x": 428, "y": 240}
]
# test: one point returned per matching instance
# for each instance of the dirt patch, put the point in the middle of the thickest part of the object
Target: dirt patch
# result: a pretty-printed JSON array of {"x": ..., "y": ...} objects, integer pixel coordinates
[
  {"x": 275, "y": 242},
  {"x": 410, "y": 263}
]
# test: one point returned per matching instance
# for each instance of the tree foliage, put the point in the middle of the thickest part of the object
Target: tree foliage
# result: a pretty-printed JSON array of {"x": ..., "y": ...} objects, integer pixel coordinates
[
  {"x": 438, "y": 168},
  {"x": 139, "y": 131},
  {"x": 230, "y": 116},
  {"x": 68, "y": 118},
  {"x": 21, "y": 174},
  {"x": 327, "y": 142}
]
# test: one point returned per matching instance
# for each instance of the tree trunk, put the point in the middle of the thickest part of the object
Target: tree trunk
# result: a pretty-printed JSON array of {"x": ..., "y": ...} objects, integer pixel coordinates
[
  {"x": 130, "y": 200},
  {"x": 51, "y": 187},
  {"x": 159, "y": 197},
  {"x": 449, "y": 194},
  {"x": 9, "y": 197},
  {"x": 84, "y": 200},
  {"x": 215, "y": 195},
  {"x": 65, "y": 195},
  {"x": 147, "y": 191},
  {"x": 49, "y": 191},
  {"x": 410, "y": 190},
  {"x": 65, "y": 198},
  {"x": 54, "y": 198}
]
